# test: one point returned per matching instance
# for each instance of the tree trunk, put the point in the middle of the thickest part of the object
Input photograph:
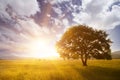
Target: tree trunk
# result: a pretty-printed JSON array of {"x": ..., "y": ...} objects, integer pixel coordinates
[
  {"x": 86, "y": 57},
  {"x": 84, "y": 60}
]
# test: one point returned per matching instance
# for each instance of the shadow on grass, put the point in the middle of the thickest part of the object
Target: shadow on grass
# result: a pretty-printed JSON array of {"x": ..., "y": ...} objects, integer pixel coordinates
[{"x": 98, "y": 73}]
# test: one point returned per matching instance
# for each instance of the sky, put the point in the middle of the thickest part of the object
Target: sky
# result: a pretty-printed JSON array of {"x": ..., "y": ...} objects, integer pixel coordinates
[{"x": 31, "y": 27}]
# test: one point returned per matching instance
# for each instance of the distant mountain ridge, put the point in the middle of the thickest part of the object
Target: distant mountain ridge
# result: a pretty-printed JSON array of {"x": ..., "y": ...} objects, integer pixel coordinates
[{"x": 116, "y": 55}]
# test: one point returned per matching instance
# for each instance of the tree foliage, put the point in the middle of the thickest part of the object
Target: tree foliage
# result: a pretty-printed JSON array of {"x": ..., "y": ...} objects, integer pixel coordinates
[{"x": 82, "y": 42}]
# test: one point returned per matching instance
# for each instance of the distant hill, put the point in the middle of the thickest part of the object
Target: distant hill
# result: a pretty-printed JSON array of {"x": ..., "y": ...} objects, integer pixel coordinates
[{"x": 116, "y": 55}]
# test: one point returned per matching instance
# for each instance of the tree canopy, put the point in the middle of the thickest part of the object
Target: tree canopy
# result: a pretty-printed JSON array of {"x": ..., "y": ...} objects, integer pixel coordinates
[{"x": 81, "y": 42}]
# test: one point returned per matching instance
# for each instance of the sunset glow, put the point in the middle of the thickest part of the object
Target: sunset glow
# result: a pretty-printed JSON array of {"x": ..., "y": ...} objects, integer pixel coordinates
[
  {"x": 31, "y": 28},
  {"x": 40, "y": 49}
]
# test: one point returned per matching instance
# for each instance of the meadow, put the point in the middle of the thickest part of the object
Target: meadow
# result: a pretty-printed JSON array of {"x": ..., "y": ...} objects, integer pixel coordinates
[{"x": 59, "y": 70}]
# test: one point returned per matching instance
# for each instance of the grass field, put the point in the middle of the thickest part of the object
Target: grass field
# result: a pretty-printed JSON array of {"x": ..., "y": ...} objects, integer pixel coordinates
[{"x": 59, "y": 70}]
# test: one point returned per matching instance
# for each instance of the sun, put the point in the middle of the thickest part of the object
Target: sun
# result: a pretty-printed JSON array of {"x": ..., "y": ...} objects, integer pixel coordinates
[{"x": 40, "y": 48}]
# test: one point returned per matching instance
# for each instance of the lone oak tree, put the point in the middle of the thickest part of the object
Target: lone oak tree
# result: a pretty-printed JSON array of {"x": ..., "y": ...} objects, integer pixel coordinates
[{"x": 82, "y": 42}]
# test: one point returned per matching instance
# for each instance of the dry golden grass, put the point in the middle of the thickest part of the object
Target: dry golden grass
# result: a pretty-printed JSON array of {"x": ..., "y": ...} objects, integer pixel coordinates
[{"x": 59, "y": 70}]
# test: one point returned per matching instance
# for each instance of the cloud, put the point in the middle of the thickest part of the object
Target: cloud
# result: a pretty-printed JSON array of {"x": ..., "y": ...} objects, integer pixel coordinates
[
  {"x": 102, "y": 14},
  {"x": 56, "y": 1},
  {"x": 12, "y": 9},
  {"x": 11, "y": 22},
  {"x": 97, "y": 14},
  {"x": 16, "y": 26},
  {"x": 114, "y": 36},
  {"x": 57, "y": 10}
]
